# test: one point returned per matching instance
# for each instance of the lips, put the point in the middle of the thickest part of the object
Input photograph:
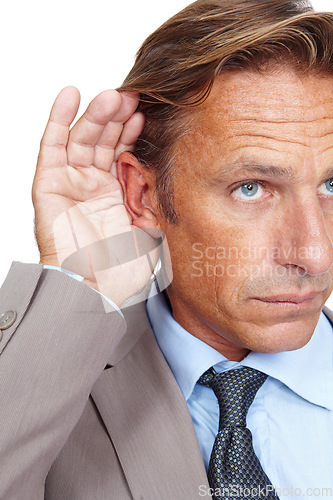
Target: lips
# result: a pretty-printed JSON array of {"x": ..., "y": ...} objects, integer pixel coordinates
[{"x": 290, "y": 298}]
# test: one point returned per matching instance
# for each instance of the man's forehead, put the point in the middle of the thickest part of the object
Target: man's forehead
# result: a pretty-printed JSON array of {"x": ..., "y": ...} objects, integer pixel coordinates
[
  {"x": 279, "y": 94},
  {"x": 248, "y": 116}
]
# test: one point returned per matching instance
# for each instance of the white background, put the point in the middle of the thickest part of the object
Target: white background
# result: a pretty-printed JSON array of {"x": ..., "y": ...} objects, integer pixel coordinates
[{"x": 45, "y": 46}]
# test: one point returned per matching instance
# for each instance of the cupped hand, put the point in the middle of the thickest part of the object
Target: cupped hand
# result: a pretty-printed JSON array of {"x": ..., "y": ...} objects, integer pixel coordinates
[{"x": 81, "y": 221}]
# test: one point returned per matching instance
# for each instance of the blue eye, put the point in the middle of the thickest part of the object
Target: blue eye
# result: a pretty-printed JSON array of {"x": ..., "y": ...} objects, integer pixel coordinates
[
  {"x": 249, "y": 190},
  {"x": 327, "y": 188},
  {"x": 329, "y": 185}
]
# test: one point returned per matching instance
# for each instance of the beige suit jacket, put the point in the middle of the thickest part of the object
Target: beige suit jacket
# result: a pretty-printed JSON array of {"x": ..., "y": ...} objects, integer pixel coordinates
[
  {"x": 133, "y": 436},
  {"x": 87, "y": 406}
]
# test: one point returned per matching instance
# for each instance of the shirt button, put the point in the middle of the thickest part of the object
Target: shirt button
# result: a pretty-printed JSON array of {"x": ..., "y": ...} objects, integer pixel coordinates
[{"x": 7, "y": 319}]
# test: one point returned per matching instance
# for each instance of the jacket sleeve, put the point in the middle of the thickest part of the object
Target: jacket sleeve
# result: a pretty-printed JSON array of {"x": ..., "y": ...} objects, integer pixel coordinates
[{"x": 60, "y": 342}]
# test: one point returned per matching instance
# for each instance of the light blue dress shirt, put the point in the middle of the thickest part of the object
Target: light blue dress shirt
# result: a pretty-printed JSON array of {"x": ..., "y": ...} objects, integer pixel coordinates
[{"x": 291, "y": 418}]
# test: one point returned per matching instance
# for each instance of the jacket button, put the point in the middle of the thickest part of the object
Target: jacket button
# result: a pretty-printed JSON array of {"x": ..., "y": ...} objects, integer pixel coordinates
[{"x": 7, "y": 319}]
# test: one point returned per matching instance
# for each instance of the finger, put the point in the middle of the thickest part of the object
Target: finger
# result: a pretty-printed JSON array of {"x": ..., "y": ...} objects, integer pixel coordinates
[
  {"x": 113, "y": 130},
  {"x": 89, "y": 128},
  {"x": 104, "y": 133},
  {"x": 105, "y": 148},
  {"x": 117, "y": 139},
  {"x": 130, "y": 101},
  {"x": 130, "y": 134},
  {"x": 55, "y": 138}
]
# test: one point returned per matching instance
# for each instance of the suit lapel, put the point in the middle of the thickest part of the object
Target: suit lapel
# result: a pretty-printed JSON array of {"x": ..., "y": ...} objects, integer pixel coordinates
[{"x": 149, "y": 424}]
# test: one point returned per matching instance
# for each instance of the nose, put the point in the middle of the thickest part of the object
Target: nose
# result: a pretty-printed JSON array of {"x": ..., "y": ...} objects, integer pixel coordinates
[{"x": 305, "y": 241}]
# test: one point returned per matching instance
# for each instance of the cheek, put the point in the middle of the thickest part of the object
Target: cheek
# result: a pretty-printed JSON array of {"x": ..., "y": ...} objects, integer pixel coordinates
[
  {"x": 213, "y": 251},
  {"x": 244, "y": 256},
  {"x": 217, "y": 263},
  {"x": 328, "y": 216}
]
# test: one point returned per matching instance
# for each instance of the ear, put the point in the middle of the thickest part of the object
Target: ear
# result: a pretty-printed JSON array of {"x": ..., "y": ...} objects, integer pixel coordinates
[{"x": 138, "y": 188}]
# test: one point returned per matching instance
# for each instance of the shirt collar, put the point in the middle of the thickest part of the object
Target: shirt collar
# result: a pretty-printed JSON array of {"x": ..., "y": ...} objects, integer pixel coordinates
[{"x": 307, "y": 371}]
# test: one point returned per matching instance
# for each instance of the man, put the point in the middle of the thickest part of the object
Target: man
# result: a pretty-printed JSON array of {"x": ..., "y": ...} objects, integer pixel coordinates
[{"x": 234, "y": 166}]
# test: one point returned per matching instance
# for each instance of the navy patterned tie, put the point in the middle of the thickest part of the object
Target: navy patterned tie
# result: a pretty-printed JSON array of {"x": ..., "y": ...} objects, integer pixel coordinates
[{"x": 234, "y": 469}]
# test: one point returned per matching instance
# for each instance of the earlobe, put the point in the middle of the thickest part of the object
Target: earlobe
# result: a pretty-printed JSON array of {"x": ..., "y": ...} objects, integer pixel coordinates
[{"x": 137, "y": 188}]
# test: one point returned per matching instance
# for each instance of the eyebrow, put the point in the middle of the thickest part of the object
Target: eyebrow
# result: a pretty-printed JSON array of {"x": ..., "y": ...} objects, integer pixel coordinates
[
  {"x": 267, "y": 170},
  {"x": 271, "y": 171},
  {"x": 254, "y": 167},
  {"x": 329, "y": 173}
]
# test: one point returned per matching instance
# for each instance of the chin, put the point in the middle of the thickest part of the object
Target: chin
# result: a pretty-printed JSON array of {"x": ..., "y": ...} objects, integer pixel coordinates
[{"x": 287, "y": 336}]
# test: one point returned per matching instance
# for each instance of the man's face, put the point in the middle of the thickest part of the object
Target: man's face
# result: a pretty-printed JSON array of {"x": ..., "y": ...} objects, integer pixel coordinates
[{"x": 252, "y": 250}]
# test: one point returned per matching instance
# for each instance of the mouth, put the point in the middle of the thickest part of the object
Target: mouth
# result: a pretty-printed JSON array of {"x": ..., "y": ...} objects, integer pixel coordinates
[{"x": 293, "y": 300}]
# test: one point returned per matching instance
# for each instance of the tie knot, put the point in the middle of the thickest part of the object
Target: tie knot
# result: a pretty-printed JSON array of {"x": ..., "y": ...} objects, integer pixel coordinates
[{"x": 235, "y": 391}]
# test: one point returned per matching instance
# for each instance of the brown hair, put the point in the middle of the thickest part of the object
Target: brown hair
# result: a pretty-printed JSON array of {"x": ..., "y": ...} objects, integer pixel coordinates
[{"x": 176, "y": 66}]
